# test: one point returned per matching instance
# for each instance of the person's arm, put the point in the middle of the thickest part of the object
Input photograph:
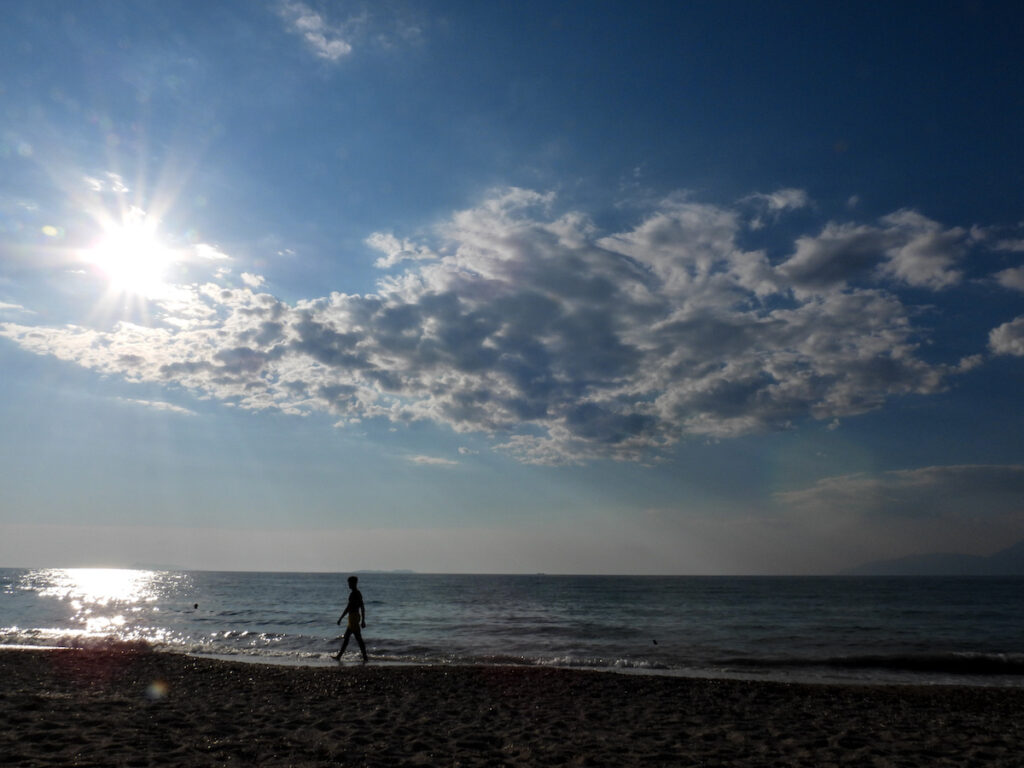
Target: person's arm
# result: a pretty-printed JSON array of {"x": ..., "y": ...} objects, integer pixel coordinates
[
  {"x": 342, "y": 616},
  {"x": 362, "y": 608}
]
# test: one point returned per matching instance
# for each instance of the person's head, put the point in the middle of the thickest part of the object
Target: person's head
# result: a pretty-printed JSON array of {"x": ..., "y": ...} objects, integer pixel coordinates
[{"x": 352, "y": 581}]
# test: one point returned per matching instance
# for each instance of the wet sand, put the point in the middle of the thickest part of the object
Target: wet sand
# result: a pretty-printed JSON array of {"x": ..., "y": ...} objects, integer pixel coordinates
[{"x": 93, "y": 708}]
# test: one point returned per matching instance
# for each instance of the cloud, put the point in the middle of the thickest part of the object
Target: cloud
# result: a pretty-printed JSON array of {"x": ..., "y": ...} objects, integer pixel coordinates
[
  {"x": 396, "y": 250},
  {"x": 433, "y": 461},
  {"x": 251, "y": 280},
  {"x": 110, "y": 182},
  {"x": 1011, "y": 278},
  {"x": 971, "y": 491},
  {"x": 782, "y": 199},
  {"x": 5, "y": 306},
  {"x": 159, "y": 405},
  {"x": 1008, "y": 338},
  {"x": 207, "y": 252},
  {"x": 561, "y": 342},
  {"x": 771, "y": 206},
  {"x": 324, "y": 39},
  {"x": 1015, "y": 245},
  {"x": 923, "y": 253},
  {"x": 905, "y": 246}
]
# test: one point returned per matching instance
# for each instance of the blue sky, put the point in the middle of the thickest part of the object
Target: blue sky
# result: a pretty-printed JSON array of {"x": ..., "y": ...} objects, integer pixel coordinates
[{"x": 514, "y": 287}]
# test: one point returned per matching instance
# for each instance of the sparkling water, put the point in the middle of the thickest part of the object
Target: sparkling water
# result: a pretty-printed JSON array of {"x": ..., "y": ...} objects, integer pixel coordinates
[{"x": 857, "y": 629}]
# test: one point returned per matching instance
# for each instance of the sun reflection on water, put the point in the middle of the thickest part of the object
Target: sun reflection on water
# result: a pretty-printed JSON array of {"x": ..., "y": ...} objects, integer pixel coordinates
[
  {"x": 110, "y": 602},
  {"x": 101, "y": 586}
]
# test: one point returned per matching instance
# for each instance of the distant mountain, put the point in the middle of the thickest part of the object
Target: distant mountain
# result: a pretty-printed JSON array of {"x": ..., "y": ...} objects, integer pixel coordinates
[{"x": 1006, "y": 562}]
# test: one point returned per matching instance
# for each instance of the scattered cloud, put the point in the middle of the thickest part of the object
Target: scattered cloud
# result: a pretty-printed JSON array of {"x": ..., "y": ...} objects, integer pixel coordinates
[
  {"x": 434, "y": 461},
  {"x": 1011, "y": 278},
  {"x": 771, "y": 206},
  {"x": 396, "y": 250},
  {"x": 326, "y": 40},
  {"x": 208, "y": 252},
  {"x": 783, "y": 199},
  {"x": 159, "y": 405},
  {"x": 107, "y": 182},
  {"x": 1014, "y": 245},
  {"x": 905, "y": 246},
  {"x": 4, "y": 306},
  {"x": 251, "y": 280},
  {"x": 563, "y": 343},
  {"x": 1008, "y": 338}
]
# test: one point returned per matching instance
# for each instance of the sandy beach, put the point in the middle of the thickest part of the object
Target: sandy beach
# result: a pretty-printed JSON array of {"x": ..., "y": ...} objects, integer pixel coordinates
[{"x": 137, "y": 708}]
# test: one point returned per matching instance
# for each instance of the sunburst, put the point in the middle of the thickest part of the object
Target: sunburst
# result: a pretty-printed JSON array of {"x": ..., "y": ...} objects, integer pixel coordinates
[{"x": 131, "y": 255}]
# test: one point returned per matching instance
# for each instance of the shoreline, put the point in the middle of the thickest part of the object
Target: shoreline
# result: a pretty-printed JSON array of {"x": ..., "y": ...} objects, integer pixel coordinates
[
  {"x": 825, "y": 675},
  {"x": 137, "y": 707}
]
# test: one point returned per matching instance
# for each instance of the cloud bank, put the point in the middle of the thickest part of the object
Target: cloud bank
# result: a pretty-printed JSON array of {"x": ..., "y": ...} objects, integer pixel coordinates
[{"x": 566, "y": 344}]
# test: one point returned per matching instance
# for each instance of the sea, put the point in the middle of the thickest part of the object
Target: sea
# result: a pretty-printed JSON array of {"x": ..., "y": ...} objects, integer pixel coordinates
[{"x": 918, "y": 630}]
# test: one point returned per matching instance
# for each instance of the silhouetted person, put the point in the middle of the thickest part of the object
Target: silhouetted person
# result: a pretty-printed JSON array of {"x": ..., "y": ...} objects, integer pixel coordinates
[{"x": 356, "y": 612}]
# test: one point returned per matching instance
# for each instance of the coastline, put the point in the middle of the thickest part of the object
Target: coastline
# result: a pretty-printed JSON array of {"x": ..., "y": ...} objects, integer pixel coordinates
[{"x": 136, "y": 707}]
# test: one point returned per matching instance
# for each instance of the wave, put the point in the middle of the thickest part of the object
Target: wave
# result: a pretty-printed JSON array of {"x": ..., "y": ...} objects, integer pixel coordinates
[
  {"x": 998, "y": 668},
  {"x": 107, "y": 644}
]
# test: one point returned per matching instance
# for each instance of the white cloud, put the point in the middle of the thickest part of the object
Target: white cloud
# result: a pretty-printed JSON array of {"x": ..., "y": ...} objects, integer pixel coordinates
[
  {"x": 207, "y": 252},
  {"x": 1011, "y": 278},
  {"x": 564, "y": 343},
  {"x": 1008, "y": 338},
  {"x": 1015, "y": 245},
  {"x": 324, "y": 39},
  {"x": 159, "y": 405},
  {"x": 251, "y": 280},
  {"x": 433, "y": 461},
  {"x": 786, "y": 199},
  {"x": 396, "y": 250},
  {"x": 907, "y": 247},
  {"x": 772, "y": 205},
  {"x": 110, "y": 182},
  {"x": 923, "y": 253},
  {"x": 12, "y": 307}
]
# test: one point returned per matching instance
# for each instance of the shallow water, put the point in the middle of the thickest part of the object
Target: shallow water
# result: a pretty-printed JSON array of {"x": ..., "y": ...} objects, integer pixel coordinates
[{"x": 853, "y": 629}]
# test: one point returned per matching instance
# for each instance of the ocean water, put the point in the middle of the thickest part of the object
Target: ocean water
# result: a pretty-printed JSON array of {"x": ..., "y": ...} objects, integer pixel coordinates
[{"x": 850, "y": 629}]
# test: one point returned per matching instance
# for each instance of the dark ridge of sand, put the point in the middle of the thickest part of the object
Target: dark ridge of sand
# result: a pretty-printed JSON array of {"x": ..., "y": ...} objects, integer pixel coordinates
[{"x": 137, "y": 708}]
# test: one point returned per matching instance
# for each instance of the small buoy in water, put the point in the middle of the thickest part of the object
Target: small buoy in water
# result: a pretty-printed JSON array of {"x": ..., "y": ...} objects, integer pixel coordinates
[{"x": 655, "y": 642}]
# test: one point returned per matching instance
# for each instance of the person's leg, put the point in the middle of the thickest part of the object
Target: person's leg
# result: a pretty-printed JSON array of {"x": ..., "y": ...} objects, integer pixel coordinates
[
  {"x": 344, "y": 644},
  {"x": 362, "y": 645}
]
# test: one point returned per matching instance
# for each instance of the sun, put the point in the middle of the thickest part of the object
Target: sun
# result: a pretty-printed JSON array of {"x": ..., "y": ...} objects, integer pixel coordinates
[{"x": 131, "y": 256}]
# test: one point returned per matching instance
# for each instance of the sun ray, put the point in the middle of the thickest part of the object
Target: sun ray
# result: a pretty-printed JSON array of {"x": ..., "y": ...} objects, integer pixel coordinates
[{"x": 131, "y": 256}]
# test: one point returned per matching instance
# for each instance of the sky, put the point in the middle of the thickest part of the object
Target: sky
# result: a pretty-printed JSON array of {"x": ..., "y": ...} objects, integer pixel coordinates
[{"x": 562, "y": 287}]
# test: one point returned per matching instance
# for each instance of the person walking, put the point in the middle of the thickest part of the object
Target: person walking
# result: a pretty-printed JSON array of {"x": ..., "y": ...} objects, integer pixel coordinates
[{"x": 356, "y": 612}]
